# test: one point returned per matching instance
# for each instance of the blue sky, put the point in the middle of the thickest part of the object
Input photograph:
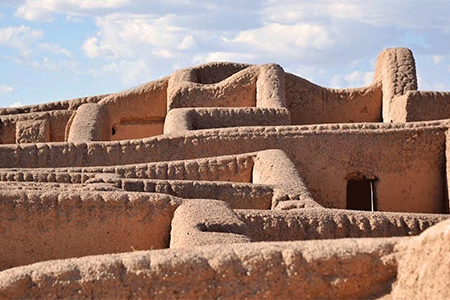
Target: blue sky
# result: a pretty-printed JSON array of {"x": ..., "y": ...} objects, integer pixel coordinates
[{"x": 60, "y": 49}]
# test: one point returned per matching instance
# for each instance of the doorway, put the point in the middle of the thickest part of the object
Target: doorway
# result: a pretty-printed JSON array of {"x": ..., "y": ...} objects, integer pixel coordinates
[{"x": 361, "y": 195}]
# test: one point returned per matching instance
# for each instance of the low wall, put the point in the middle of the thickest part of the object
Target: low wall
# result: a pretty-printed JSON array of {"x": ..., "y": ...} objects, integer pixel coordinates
[
  {"x": 421, "y": 106},
  {"x": 206, "y": 222},
  {"x": 37, "y": 226},
  {"x": 23, "y": 128},
  {"x": 71, "y": 104},
  {"x": 319, "y": 223},
  {"x": 235, "y": 168},
  {"x": 234, "y": 86},
  {"x": 237, "y": 194},
  {"x": 332, "y": 269},
  {"x": 138, "y": 112},
  {"x": 183, "y": 119},
  {"x": 313, "y": 104}
]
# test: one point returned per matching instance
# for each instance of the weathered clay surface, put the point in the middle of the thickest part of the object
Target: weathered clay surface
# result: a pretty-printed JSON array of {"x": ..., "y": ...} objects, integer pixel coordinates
[
  {"x": 241, "y": 175},
  {"x": 424, "y": 264},
  {"x": 61, "y": 223},
  {"x": 337, "y": 269},
  {"x": 416, "y": 106}
]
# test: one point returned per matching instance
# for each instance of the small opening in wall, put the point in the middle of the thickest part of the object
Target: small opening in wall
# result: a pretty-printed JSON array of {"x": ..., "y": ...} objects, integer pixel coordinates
[
  {"x": 113, "y": 131},
  {"x": 361, "y": 195}
]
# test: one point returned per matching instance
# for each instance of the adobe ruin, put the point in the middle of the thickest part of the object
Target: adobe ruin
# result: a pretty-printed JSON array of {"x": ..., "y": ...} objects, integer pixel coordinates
[{"x": 230, "y": 181}]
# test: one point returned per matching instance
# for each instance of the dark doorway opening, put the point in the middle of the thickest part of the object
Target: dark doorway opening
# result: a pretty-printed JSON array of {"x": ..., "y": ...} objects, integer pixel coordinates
[{"x": 361, "y": 195}]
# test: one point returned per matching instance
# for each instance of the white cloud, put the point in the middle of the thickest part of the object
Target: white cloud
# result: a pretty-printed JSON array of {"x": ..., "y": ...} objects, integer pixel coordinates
[
  {"x": 141, "y": 47},
  {"x": 42, "y": 10},
  {"x": 47, "y": 63},
  {"x": 295, "y": 11},
  {"x": 360, "y": 78},
  {"x": 74, "y": 19},
  {"x": 33, "y": 53},
  {"x": 281, "y": 40},
  {"x": 352, "y": 80},
  {"x": 91, "y": 47},
  {"x": 437, "y": 59},
  {"x": 225, "y": 56},
  {"x": 5, "y": 90},
  {"x": 188, "y": 42},
  {"x": 93, "y": 4},
  {"x": 21, "y": 38},
  {"x": 132, "y": 72},
  {"x": 130, "y": 36},
  {"x": 55, "y": 49},
  {"x": 57, "y": 65},
  {"x": 322, "y": 40},
  {"x": 16, "y": 104},
  {"x": 33, "y": 11},
  {"x": 413, "y": 14}
]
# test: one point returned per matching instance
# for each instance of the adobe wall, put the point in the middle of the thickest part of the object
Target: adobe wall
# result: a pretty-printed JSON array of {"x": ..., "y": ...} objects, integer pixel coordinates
[
  {"x": 235, "y": 168},
  {"x": 396, "y": 72},
  {"x": 91, "y": 122},
  {"x": 332, "y": 269},
  {"x": 218, "y": 177},
  {"x": 45, "y": 127},
  {"x": 138, "y": 112},
  {"x": 206, "y": 222},
  {"x": 141, "y": 112},
  {"x": 269, "y": 86},
  {"x": 407, "y": 166},
  {"x": 184, "y": 119},
  {"x": 394, "y": 76},
  {"x": 446, "y": 174},
  {"x": 212, "y": 73},
  {"x": 213, "y": 85},
  {"x": 423, "y": 263},
  {"x": 408, "y": 161},
  {"x": 381, "y": 268},
  {"x": 53, "y": 224},
  {"x": 318, "y": 223},
  {"x": 258, "y": 180},
  {"x": 313, "y": 104},
  {"x": 421, "y": 106},
  {"x": 238, "y": 195},
  {"x": 274, "y": 168},
  {"x": 71, "y": 104}
]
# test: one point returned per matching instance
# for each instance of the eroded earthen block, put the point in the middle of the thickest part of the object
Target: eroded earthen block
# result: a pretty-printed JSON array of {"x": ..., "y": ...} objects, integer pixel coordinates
[
  {"x": 424, "y": 263},
  {"x": 32, "y": 131},
  {"x": 206, "y": 222}
]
